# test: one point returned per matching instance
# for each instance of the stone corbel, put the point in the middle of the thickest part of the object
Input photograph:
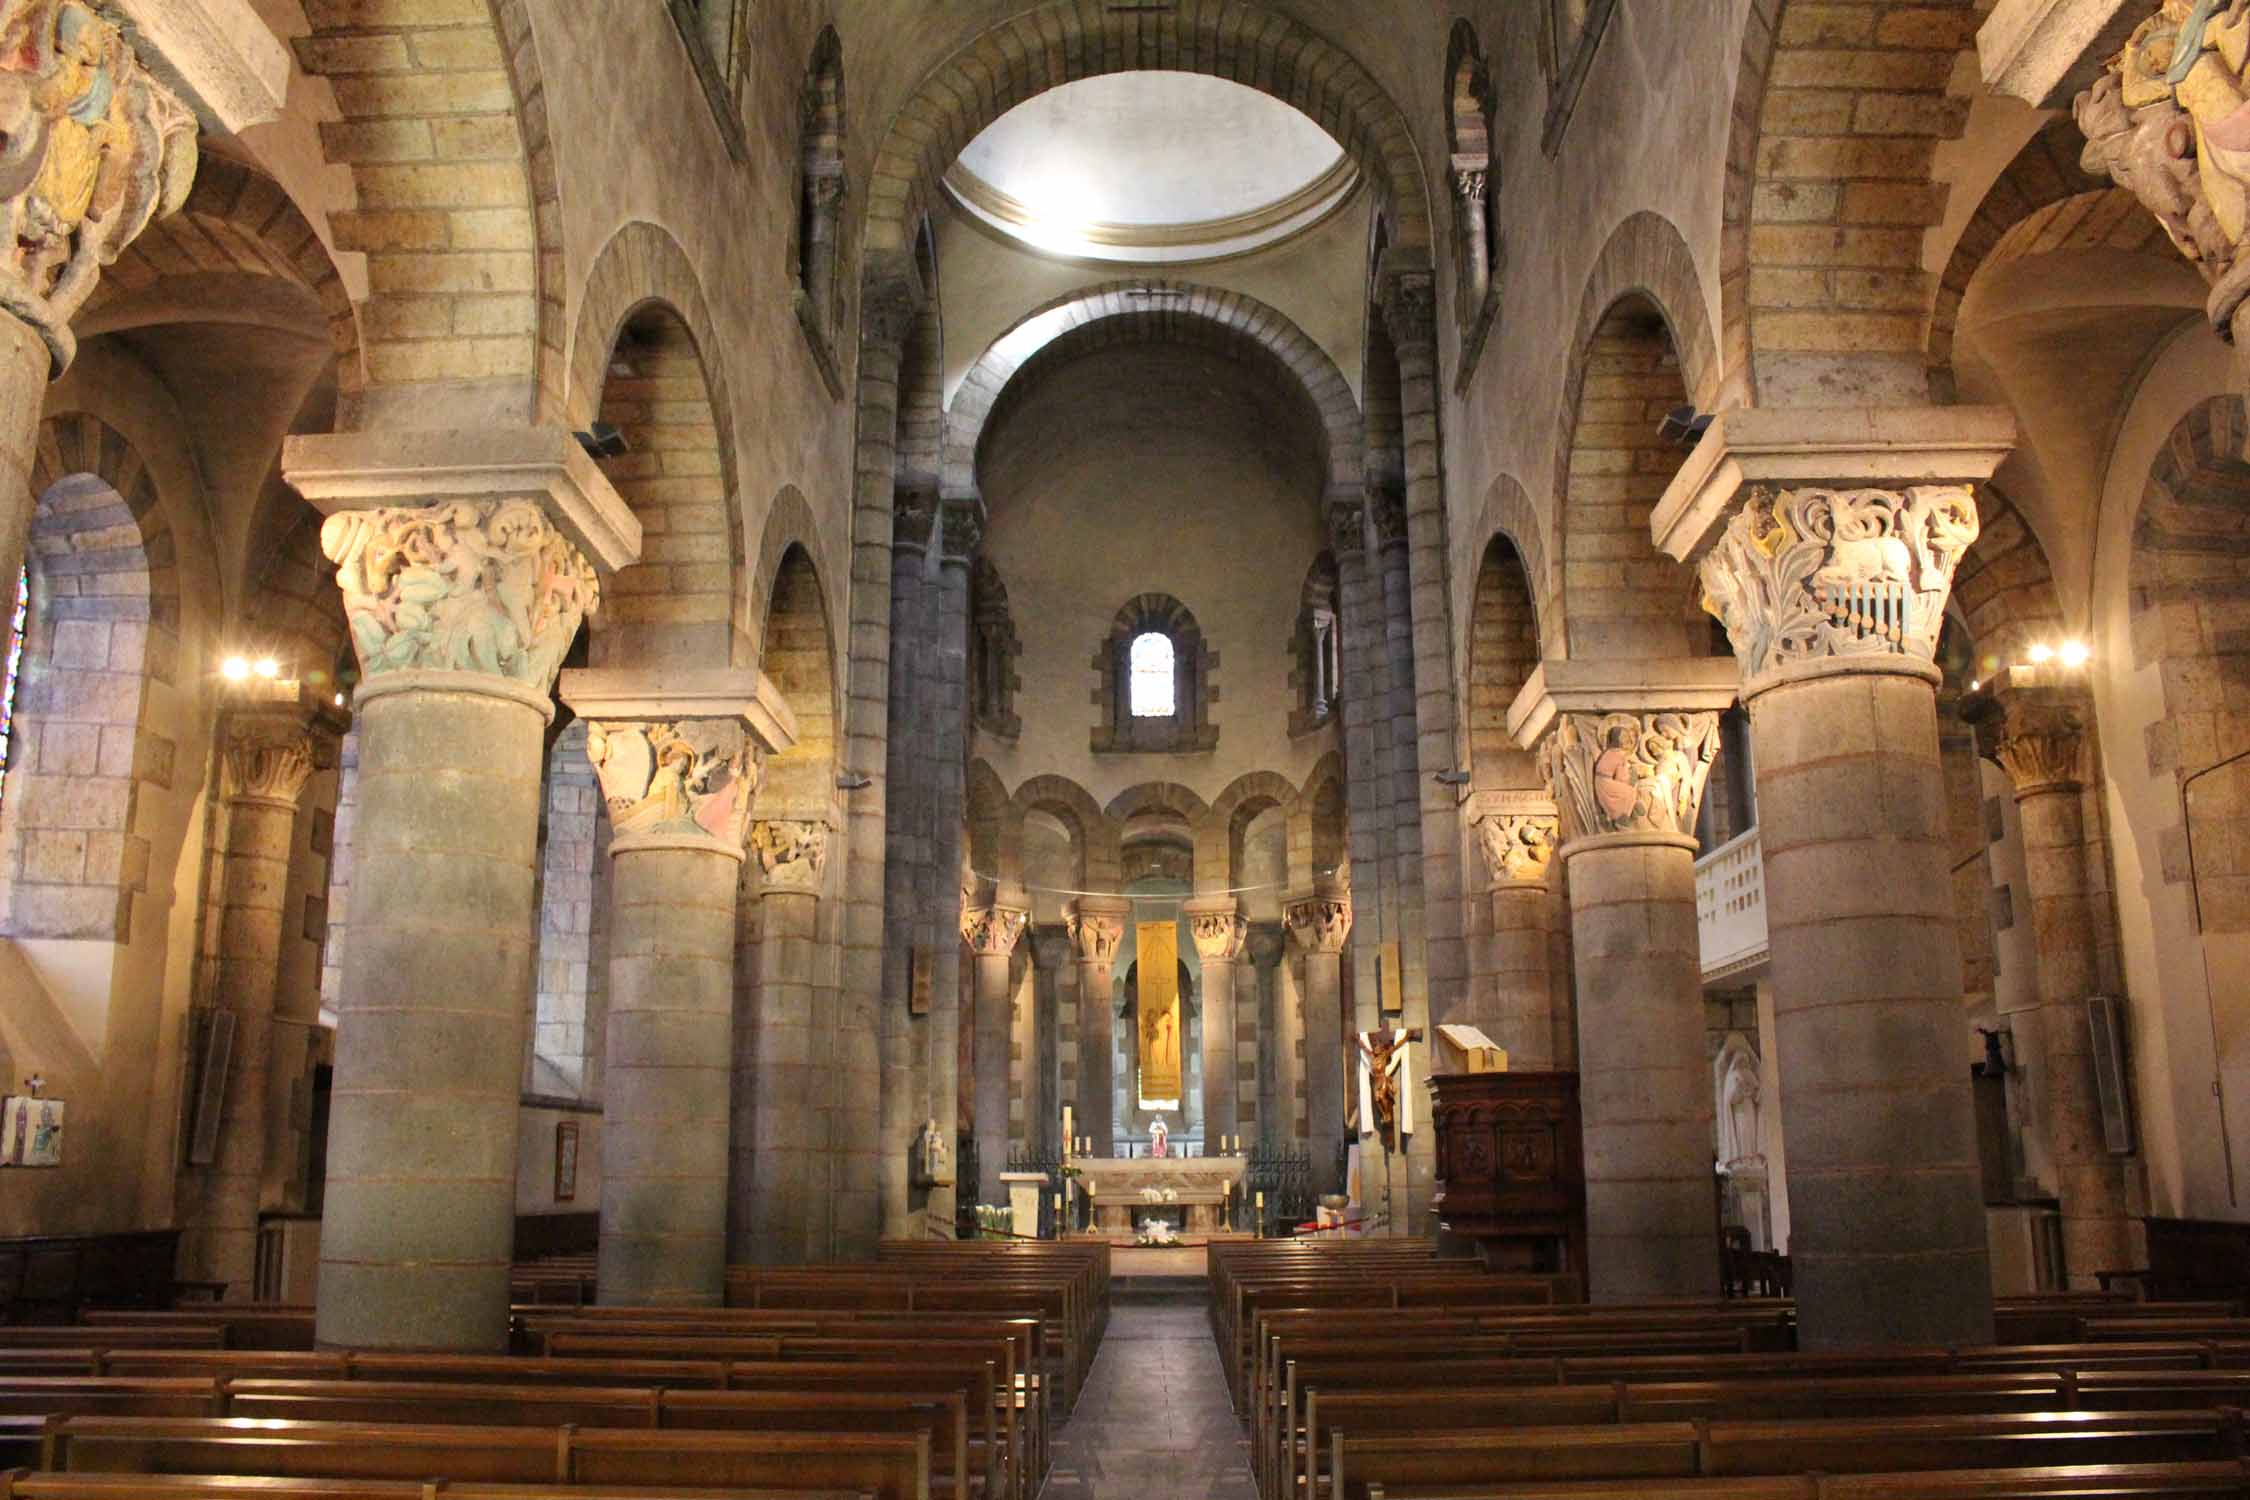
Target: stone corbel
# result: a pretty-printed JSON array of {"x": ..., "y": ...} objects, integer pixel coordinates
[
  {"x": 679, "y": 755},
  {"x": 1320, "y": 924},
  {"x": 2044, "y": 51},
  {"x": 1826, "y": 540},
  {"x": 219, "y": 54},
  {"x": 1518, "y": 833}
]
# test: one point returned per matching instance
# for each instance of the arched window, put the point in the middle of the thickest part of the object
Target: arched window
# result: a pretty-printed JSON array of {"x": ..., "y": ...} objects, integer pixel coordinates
[
  {"x": 1318, "y": 674},
  {"x": 1476, "y": 194},
  {"x": 993, "y": 649},
  {"x": 18, "y": 619},
  {"x": 1156, "y": 687},
  {"x": 1155, "y": 695}
]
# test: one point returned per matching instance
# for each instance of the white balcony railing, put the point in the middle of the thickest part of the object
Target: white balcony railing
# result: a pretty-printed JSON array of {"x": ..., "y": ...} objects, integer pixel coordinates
[{"x": 1730, "y": 907}]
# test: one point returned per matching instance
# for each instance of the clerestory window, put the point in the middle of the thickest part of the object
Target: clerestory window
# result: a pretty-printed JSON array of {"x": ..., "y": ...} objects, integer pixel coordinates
[{"x": 1155, "y": 691}]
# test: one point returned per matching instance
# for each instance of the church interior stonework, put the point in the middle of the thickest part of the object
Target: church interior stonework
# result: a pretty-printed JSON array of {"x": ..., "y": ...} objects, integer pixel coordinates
[{"x": 1255, "y": 749}]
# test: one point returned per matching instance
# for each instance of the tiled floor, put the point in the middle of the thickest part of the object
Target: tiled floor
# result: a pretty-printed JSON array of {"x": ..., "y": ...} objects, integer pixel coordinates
[{"x": 1153, "y": 1420}]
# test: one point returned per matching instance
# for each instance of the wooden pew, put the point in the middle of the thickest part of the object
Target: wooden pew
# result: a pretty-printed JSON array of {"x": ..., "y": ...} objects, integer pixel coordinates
[
  {"x": 239, "y": 1325},
  {"x": 888, "y": 1467},
  {"x": 28, "y": 1484},
  {"x": 1685, "y": 1450},
  {"x": 2080, "y": 1482}
]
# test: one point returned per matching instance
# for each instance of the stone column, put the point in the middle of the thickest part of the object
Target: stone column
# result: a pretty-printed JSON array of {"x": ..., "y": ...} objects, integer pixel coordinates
[
  {"x": 944, "y": 759},
  {"x": 267, "y": 757},
  {"x": 1833, "y": 591},
  {"x": 1219, "y": 932},
  {"x": 97, "y": 150},
  {"x": 678, "y": 757},
  {"x": 1039, "y": 1036},
  {"x": 775, "y": 1094},
  {"x": 992, "y": 933},
  {"x": 2039, "y": 739},
  {"x": 1280, "y": 1032},
  {"x": 1097, "y": 926},
  {"x": 1628, "y": 757},
  {"x": 1470, "y": 182},
  {"x": 1321, "y": 924},
  {"x": 461, "y": 609},
  {"x": 1517, "y": 833}
]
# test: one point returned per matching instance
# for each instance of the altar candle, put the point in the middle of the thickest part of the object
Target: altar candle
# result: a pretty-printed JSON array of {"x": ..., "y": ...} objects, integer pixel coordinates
[
  {"x": 1066, "y": 1124},
  {"x": 1261, "y": 1229}
]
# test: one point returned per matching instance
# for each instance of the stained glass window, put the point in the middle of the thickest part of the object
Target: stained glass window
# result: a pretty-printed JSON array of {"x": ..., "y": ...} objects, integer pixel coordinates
[
  {"x": 16, "y": 622},
  {"x": 1154, "y": 687}
]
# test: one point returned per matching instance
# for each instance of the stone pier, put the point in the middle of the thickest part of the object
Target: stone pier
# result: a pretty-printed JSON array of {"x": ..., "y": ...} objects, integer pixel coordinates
[
  {"x": 1097, "y": 927},
  {"x": 1219, "y": 932},
  {"x": 1322, "y": 924}
]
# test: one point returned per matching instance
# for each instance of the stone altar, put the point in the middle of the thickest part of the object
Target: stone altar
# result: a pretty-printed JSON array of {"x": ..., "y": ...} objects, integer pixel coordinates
[{"x": 1202, "y": 1184}]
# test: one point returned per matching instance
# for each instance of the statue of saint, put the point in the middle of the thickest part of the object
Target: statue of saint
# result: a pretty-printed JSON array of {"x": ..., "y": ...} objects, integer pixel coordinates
[{"x": 1159, "y": 1138}]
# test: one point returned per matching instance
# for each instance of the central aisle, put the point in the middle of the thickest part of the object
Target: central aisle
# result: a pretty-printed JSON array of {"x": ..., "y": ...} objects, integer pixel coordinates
[{"x": 1153, "y": 1420}]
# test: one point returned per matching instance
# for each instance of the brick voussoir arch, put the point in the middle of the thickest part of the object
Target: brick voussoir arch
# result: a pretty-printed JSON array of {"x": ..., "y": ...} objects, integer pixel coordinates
[
  {"x": 790, "y": 522},
  {"x": 239, "y": 220},
  {"x": 1217, "y": 836},
  {"x": 445, "y": 134},
  {"x": 1645, "y": 257},
  {"x": 1507, "y": 511},
  {"x": 2004, "y": 586},
  {"x": 1067, "y": 40},
  {"x": 1061, "y": 797},
  {"x": 1159, "y": 797},
  {"x": 1146, "y": 309}
]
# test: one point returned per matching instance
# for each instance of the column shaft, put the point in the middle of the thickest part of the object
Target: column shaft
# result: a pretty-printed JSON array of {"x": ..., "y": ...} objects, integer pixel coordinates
[
  {"x": 1220, "y": 1089},
  {"x": 1094, "y": 1117},
  {"x": 1644, "y": 1082},
  {"x": 994, "y": 1020},
  {"x": 24, "y": 365},
  {"x": 1522, "y": 963},
  {"x": 2098, "y": 1229},
  {"x": 1886, "y": 1208},
  {"x": 219, "y": 1240},
  {"x": 666, "y": 1090},
  {"x": 420, "y": 1218},
  {"x": 774, "y": 1202}
]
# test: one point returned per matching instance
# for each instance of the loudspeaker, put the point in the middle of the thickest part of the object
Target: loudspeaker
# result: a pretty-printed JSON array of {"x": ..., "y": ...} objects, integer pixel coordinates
[{"x": 2105, "y": 1018}]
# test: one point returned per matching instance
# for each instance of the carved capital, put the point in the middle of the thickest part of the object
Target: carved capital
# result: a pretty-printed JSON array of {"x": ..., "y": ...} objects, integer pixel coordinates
[
  {"x": 913, "y": 519},
  {"x": 269, "y": 758},
  {"x": 826, "y": 190},
  {"x": 1470, "y": 183},
  {"x": 2041, "y": 759},
  {"x": 1386, "y": 506},
  {"x": 1519, "y": 847},
  {"x": 1410, "y": 309},
  {"x": 1320, "y": 924},
  {"x": 1632, "y": 772},
  {"x": 888, "y": 306},
  {"x": 960, "y": 529},
  {"x": 2160, "y": 122},
  {"x": 1220, "y": 933},
  {"x": 993, "y": 931},
  {"x": 1802, "y": 576},
  {"x": 792, "y": 852},
  {"x": 95, "y": 149},
  {"x": 689, "y": 778},
  {"x": 1347, "y": 527},
  {"x": 467, "y": 586},
  {"x": 1095, "y": 934}
]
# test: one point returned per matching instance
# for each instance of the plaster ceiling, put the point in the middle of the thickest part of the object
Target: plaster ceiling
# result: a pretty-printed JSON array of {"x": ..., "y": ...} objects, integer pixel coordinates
[{"x": 1150, "y": 168}]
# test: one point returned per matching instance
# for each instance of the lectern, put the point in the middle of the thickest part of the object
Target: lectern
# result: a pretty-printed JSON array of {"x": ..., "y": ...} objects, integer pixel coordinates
[{"x": 1511, "y": 1168}]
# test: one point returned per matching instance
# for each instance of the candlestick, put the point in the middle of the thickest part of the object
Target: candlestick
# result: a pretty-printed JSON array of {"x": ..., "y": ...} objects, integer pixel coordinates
[{"x": 1261, "y": 1227}]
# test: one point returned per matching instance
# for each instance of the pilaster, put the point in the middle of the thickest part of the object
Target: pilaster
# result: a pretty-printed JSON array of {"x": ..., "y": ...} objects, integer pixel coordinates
[{"x": 1096, "y": 925}]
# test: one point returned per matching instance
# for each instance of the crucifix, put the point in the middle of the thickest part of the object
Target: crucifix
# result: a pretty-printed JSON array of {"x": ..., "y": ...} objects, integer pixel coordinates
[{"x": 1383, "y": 1064}]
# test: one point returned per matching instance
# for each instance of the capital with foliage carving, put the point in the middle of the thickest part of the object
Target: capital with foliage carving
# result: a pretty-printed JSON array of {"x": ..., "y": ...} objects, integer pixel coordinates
[
  {"x": 890, "y": 301},
  {"x": 269, "y": 758},
  {"x": 2165, "y": 123},
  {"x": 1095, "y": 934},
  {"x": 1219, "y": 933},
  {"x": 466, "y": 586},
  {"x": 993, "y": 931},
  {"x": 693, "y": 778},
  {"x": 1632, "y": 772},
  {"x": 1519, "y": 847},
  {"x": 1320, "y": 924},
  {"x": 1347, "y": 527},
  {"x": 94, "y": 150},
  {"x": 1804, "y": 576},
  {"x": 960, "y": 529},
  {"x": 792, "y": 852}
]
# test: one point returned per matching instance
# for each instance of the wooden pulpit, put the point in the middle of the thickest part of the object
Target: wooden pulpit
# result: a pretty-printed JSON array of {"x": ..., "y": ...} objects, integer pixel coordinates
[{"x": 1511, "y": 1168}]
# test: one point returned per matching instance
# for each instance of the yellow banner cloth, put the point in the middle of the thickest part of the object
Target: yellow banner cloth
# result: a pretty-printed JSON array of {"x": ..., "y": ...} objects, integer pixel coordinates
[{"x": 1159, "y": 998}]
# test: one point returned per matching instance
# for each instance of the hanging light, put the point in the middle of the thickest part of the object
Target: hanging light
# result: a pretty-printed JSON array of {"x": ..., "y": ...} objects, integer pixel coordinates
[
  {"x": 266, "y": 666},
  {"x": 235, "y": 669},
  {"x": 2042, "y": 653},
  {"x": 2075, "y": 654}
]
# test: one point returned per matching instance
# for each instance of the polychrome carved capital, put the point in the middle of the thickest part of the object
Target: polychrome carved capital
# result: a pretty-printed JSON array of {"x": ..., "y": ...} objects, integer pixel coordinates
[
  {"x": 1096, "y": 935},
  {"x": 94, "y": 149},
  {"x": 792, "y": 852},
  {"x": 993, "y": 931},
  {"x": 1807, "y": 575},
  {"x": 1518, "y": 847},
  {"x": 1219, "y": 935},
  {"x": 693, "y": 778},
  {"x": 465, "y": 586},
  {"x": 1320, "y": 924},
  {"x": 1632, "y": 772}
]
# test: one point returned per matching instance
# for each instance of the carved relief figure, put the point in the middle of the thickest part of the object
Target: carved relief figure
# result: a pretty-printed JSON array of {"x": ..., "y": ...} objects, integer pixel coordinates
[
  {"x": 467, "y": 587},
  {"x": 695, "y": 777},
  {"x": 1518, "y": 847},
  {"x": 2170, "y": 121},
  {"x": 1634, "y": 773},
  {"x": 1800, "y": 575},
  {"x": 93, "y": 151}
]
